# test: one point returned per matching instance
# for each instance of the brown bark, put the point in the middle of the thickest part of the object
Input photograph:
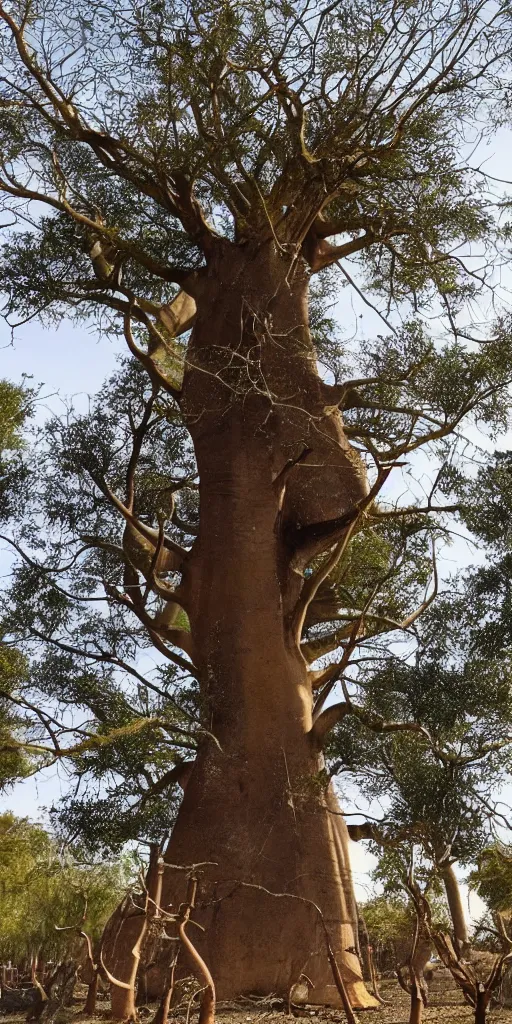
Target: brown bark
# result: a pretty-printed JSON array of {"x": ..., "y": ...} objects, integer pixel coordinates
[
  {"x": 152, "y": 937},
  {"x": 89, "y": 974},
  {"x": 483, "y": 996},
  {"x": 162, "y": 1013},
  {"x": 126, "y": 929},
  {"x": 207, "y": 1006},
  {"x": 476, "y": 992},
  {"x": 416, "y": 985},
  {"x": 416, "y": 1011},
  {"x": 254, "y": 807},
  {"x": 92, "y": 995},
  {"x": 453, "y": 896}
]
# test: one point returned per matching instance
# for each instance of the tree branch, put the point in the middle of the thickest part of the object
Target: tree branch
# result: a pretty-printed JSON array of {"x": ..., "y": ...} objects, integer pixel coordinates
[
  {"x": 330, "y": 530},
  {"x": 337, "y": 712}
]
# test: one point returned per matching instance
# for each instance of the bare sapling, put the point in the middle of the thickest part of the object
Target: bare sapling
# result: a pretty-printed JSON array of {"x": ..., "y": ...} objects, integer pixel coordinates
[
  {"x": 477, "y": 991},
  {"x": 135, "y": 918},
  {"x": 91, "y": 967},
  {"x": 415, "y": 985},
  {"x": 207, "y": 1007},
  {"x": 368, "y": 958},
  {"x": 162, "y": 1013}
]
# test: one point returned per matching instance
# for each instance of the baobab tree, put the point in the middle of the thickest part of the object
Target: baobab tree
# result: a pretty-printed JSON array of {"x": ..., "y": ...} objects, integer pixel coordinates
[{"x": 200, "y": 174}]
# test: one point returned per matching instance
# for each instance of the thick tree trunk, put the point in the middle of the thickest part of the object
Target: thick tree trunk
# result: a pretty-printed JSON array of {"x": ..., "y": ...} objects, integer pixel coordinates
[
  {"x": 255, "y": 807},
  {"x": 453, "y": 896}
]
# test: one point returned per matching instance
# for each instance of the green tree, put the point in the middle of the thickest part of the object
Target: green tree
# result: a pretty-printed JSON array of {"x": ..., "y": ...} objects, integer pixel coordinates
[
  {"x": 389, "y": 922},
  {"x": 437, "y": 781},
  {"x": 194, "y": 160},
  {"x": 492, "y": 878},
  {"x": 14, "y": 408},
  {"x": 43, "y": 889}
]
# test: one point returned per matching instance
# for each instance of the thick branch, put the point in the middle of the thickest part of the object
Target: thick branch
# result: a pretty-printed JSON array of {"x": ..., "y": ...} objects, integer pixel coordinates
[
  {"x": 337, "y": 712},
  {"x": 332, "y": 529},
  {"x": 147, "y": 532},
  {"x": 325, "y": 254},
  {"x": 179, "y": 315},
  {"x": 177, "y": 773},
  {"x": 312, "y": 583}
]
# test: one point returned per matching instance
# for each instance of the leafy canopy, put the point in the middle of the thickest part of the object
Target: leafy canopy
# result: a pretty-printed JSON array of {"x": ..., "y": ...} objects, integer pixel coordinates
[{"x": 137, "y": 143}]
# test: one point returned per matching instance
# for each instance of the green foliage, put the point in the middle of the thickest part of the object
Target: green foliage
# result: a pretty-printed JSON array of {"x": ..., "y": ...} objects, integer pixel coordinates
[
  {"x": 154, "y": 136},
  {"x": 492, "y": 878},
  {"x": 139, "y": 725},
  {"x": 388, "y": 920},
  {"x": 42, "y": 888},
  {"x": 15, "y": 405},
  {"x": 15, "y": 763},
  {"x": 13, "y": 411},
  {"x": 255, "y": 110},
  {"x": 391, "y": 916},
  {"x": 437, "y": 780}
]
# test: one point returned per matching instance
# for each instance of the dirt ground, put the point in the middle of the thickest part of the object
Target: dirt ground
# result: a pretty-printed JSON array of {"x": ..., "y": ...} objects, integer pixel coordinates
[
  {"x": 396, "y": 1014},
  {"x": 393, "y": 1014},
  {"x": 396, "y": 1011}
]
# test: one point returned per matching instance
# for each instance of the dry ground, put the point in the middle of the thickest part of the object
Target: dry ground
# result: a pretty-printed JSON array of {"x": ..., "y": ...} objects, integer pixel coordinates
[{"x": 394, "y": 1012}]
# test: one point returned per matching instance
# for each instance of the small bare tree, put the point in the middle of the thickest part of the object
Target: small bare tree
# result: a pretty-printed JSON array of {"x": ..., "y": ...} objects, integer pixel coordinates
[
  {"x": 477, "y": 991},
  {"x": 415, "y": 985},
  {"x": 90, "y": 964}
]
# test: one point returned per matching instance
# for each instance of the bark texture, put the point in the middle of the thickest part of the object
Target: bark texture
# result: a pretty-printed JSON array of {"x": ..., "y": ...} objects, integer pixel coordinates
[
  {"x": 416, "y": 1011},
  {"x": 92, "y": 996},
  {"x": 453, "y": 896},
  {"x": 275, "y": 469},
  {"x": 124, "y": 937},
  {"x": 482, "y": 1002}
]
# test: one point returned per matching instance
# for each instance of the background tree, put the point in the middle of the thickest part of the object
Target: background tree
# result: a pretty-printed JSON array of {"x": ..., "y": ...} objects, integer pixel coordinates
[
  {"x": 439, "y": 788},
  {"x": 389, "y": 922},
  {"x": 194, "y": 163},
  {"x": 400, "y": 869},
  {"x": 43, "y": 889},
  {"x": 15, "y": 404},
  {"x": 492, "y": 878}
]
